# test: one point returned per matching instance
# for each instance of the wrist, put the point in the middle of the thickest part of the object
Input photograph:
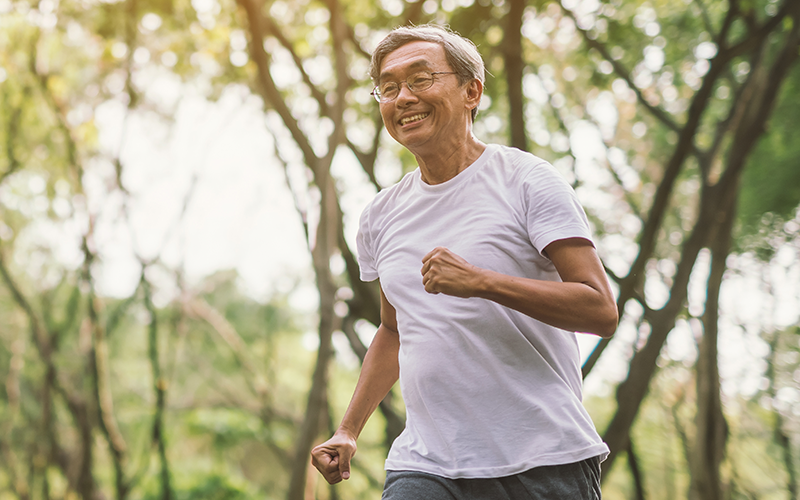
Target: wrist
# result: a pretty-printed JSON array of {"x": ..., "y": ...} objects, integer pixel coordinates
[
  {"x": 346, "y": 432},
  {"x": 483, "y": 283}
]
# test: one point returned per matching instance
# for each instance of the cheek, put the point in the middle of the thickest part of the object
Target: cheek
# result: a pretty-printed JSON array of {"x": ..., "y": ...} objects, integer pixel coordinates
[{"x": 386, "y": 111}]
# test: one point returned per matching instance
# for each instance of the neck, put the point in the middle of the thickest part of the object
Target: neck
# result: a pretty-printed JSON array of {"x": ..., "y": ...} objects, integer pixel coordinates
[{"x": 445, "y": 163}]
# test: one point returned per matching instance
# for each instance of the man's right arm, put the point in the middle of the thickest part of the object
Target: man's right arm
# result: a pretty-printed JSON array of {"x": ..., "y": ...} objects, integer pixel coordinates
[{"x": 379, "y": 372}]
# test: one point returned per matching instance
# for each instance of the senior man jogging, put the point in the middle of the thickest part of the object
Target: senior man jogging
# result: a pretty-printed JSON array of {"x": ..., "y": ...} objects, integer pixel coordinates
[{"x": 486, "y": 268}]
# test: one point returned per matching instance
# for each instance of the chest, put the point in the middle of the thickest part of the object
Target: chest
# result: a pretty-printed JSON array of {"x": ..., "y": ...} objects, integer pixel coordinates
[{"x": 486, "y": 228}]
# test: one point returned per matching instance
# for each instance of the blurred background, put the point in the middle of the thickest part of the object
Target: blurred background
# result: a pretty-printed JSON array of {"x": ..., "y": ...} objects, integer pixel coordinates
[{"x": 180, "y": 184}]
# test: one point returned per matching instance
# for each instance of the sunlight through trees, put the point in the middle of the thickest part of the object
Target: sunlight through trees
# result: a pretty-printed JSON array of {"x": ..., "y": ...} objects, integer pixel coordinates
[{"x": 180, "y": 310}]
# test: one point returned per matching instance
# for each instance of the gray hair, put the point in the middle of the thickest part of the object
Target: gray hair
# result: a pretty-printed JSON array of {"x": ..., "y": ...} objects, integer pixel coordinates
[{"x": 462, "y": 55}]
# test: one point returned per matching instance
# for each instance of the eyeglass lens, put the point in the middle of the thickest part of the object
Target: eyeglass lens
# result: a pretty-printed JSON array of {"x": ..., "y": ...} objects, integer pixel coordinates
[{"x": 416, "y": 83}]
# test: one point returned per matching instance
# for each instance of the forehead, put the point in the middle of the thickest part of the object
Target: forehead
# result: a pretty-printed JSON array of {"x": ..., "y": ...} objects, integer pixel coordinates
[{"x": 414, "y": 56}]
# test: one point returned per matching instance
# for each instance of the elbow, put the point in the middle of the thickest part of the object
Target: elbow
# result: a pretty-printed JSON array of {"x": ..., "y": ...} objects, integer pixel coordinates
[
  {"x": 607, "y": 332},
  {"x": 601, "y": 322},
  {"x": 609, "y": 320}
]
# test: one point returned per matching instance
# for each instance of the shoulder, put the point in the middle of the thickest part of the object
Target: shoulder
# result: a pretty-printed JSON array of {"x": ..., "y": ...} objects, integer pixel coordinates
[
  {"x": 516, "y": 162},
  {"x": 512, "y": 155},
  {"x": 524, "y": 171}
]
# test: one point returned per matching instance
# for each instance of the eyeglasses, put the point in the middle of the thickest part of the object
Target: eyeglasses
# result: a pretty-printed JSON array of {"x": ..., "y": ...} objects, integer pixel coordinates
[{"x": 418, "y": 82}]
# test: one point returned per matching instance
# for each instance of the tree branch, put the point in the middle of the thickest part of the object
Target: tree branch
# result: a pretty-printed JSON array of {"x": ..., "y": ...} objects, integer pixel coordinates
[
  {"x": 624, "y": 74},
  {"x": 704, "y": 16},
  {"x": 201, "y": 309},
  {"x": 267, "y": 88},
  {"x": 272, "y": 28},
  {"x": 13, "y": 127}
]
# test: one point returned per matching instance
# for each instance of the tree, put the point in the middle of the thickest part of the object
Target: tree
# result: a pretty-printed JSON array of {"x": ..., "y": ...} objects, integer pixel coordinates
[{"x": 675, "y": 123}]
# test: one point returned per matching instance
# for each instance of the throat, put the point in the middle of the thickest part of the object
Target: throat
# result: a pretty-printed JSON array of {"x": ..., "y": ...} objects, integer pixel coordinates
[{"x": 437, "y": 168}]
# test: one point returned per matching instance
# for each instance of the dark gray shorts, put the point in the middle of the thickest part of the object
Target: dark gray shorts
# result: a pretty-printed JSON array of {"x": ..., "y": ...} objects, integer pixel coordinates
[{"x": 578, "y": 481}]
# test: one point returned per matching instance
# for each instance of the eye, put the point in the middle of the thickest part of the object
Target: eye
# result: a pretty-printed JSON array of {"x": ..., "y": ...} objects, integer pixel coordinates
[
  {"x": 388, "y": 88},
  {"x": 420, "y": 81}
]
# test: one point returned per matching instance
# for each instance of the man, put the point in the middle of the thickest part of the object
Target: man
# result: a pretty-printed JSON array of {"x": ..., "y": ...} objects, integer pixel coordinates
[{"x": 486, "y": 269}]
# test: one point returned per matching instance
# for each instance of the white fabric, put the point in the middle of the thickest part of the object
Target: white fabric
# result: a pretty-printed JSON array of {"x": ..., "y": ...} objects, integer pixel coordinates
[{"x": 489, "y": 392}]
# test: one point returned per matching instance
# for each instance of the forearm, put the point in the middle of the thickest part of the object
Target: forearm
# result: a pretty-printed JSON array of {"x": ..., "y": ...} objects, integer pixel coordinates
[
  {"x": 379, "y": 372},
  {"x": 571, "y": 306},
  {"x": 582, "y": 301}
]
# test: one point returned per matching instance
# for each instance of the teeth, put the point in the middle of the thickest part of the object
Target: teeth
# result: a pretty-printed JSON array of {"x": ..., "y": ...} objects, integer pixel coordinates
[{"x": 414, "y": 118}]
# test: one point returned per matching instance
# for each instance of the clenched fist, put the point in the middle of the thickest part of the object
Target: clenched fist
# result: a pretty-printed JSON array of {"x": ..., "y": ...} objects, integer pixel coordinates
[
  {"x": 332, "y": 458},
  {"x": 445, "y": 272}
]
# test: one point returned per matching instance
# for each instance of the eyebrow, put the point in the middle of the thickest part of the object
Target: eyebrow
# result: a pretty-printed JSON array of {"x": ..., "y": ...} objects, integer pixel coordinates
[{"x": 416, "y": 64}]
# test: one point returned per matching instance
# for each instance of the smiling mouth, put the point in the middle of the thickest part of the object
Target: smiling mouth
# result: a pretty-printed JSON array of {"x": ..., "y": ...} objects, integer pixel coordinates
[{"x": 413, "y": 118}]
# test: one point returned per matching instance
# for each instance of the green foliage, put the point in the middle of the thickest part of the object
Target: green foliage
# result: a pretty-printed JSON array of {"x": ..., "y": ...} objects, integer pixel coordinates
[
  {"x": 235, "y": 371},
  {"x": 771, "y": 182},
  {"x": 228, "y": 427},
  {"x": 211, "y": 486}
]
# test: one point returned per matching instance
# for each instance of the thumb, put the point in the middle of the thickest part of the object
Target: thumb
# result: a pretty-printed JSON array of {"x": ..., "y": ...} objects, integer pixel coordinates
[{"x": 344, "y": 463}]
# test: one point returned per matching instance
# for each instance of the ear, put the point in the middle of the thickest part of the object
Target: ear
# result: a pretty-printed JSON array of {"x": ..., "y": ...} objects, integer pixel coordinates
[{"x": 474, "y": 91}]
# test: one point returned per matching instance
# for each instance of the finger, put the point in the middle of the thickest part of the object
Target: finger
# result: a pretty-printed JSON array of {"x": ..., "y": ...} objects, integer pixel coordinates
[
  {"x": 344, "y": 464},
  {"x": 317, "y": 458},
  {"x": 434, "y": 252},
  {"x": 429, "y": 255},
  {"x": 323, "y": 454},
  {"x": 332, "y": 477},
  {"x": 332, "y": 474},
  {"x": 327, "y": 463}
]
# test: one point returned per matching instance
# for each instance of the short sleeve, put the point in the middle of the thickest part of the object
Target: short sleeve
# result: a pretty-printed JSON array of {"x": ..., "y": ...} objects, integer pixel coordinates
[
  {"x": 553, "y": 211},
  {"x": 364, "y": 246}
]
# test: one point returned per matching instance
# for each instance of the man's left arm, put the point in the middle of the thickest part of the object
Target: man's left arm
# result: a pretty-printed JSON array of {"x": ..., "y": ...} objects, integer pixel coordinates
[{"x": 581, "y": 302}]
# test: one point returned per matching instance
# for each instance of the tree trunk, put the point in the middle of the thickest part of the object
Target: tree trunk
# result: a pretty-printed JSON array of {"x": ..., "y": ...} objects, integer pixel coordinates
[
  {"x": 317, "y": 398},
  {"x": 711, "y": 428},
  {"x": 750, "y": 116},
  {"x": 514, "y": 64},
  {"x": 636, "y": 473},
  {"x": 631, "y": 286},
  {"x": 158, "y": 436},
  {"x": 632, "y": 391}
]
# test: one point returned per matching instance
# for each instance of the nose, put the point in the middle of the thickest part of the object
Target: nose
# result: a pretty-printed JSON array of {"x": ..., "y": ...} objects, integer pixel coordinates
[{"x": 405, "y": 95}]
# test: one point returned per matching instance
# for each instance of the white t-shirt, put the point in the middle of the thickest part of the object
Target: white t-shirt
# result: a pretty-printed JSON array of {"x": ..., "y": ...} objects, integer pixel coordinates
[{"x": 489, "y": 391}]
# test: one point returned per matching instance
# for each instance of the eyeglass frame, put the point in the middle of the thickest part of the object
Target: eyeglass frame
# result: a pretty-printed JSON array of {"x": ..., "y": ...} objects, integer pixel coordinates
[{"x": 376, "y": 93}]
